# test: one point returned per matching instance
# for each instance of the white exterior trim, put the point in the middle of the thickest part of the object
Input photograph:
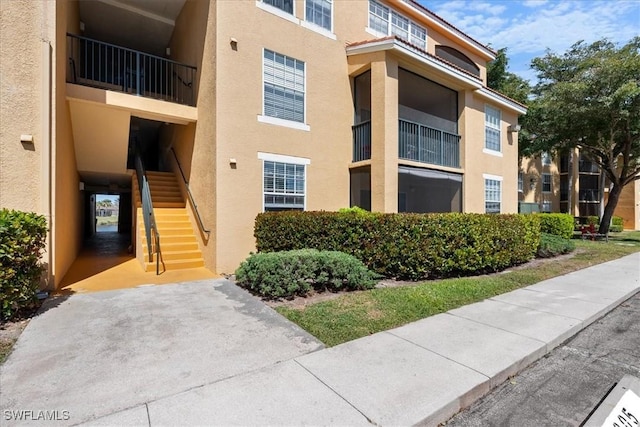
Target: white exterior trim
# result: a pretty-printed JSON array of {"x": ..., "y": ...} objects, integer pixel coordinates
[
  {"x": 493, "y": 177},
  {"x": 282, "y": 122},
  {"x": 281, "y": 158},
  {"x": 281, "y": 13},
  {"x": 492, "y": 152},
  {"x": 502, "y": 101},
  {"x": 395, "y": 45},
  {"x": 318, "y": 29},
  {"x": 455, "y": 33}
]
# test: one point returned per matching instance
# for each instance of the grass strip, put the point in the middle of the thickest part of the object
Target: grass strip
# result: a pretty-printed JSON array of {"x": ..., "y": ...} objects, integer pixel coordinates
[{"x": 359, "y": 314}]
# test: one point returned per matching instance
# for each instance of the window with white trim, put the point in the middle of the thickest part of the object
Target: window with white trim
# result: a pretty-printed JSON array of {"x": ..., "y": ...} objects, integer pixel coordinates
[
  {"x": 546, "y": 206},
  {"x": 284, "y": 87},
  {"x": 284, "y": 186},
  {"x": 388, "y": 22},
  {"x": 492, "y": 128},
  {"x": 546, "y": 159},
  {"x": 319, "y": 12},
  {"x": 284, "y": 5},
  {"x": 492, "y": 195},
  {"x": 546, "y": 183},
  {"x": 520, "y": 182}
]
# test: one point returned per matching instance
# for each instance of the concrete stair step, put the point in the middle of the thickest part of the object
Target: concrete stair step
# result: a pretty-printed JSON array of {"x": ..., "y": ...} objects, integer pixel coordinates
[
  {"x": 177, "y": 255},
  {"x": 175, "y": 264},
  {"x": 169, "y": 204},
  {"x": 172, "y": 238}
]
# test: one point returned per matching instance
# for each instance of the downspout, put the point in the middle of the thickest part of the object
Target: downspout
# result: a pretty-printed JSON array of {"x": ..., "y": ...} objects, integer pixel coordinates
[{"x": 46, "y": 185}]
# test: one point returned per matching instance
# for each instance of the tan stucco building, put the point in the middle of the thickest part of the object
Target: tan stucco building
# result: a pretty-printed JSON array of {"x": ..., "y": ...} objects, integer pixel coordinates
[
  {"x": 571, "y": 183},
  {"x": 263, "y": 104}
]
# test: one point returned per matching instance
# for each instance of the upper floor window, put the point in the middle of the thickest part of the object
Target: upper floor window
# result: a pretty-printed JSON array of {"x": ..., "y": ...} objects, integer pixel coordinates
[
  {"x": 546, "y": 159},
  {"x": 389, "y": 22},
  {"x": 520, "y": 181},
  {"x": 319, "y": 12},
  {"x": 546, "y": 183},
  {"x": 284, "y": 5},
  {"x": 492, "y": 128},
  {"x": 284, "y": 87},
  {"x": 457, "y": 58}
]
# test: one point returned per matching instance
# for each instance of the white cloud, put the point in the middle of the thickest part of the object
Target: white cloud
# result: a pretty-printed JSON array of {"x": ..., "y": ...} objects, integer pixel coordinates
[
  {"x": 534, "y": 3},
  {"x": 527, "y": 28}
]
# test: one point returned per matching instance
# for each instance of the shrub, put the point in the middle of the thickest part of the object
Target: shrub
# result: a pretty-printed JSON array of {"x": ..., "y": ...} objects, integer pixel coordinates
[
  {"x": 22, "y": 239},
  {"x": 593, "y": 220},
  {"x": 407, "y": 246},
  {"x": 552, "y": 245},
  {"x": 557, "y": 224},
  {"x": 617, "y": 224},
  {"x": 290, "y": 273}
]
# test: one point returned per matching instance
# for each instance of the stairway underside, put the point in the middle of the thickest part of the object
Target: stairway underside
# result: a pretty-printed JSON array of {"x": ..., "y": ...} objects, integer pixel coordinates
[{"x": 178, "y": 243}]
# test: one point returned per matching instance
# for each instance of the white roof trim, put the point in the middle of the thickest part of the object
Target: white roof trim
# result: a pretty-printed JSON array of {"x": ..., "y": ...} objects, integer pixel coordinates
[
  {"x": 393, "y": 44},
  {"x": 453, "y": 32},
  {"x": 501, "y": 100}
]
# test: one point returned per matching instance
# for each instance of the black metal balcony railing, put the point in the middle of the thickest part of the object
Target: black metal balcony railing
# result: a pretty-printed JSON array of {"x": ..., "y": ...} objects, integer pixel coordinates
[
  {"x": 428, "y": 145},
  {"x": 106, "y": 66},
  {"x": 361, "y": 141}
]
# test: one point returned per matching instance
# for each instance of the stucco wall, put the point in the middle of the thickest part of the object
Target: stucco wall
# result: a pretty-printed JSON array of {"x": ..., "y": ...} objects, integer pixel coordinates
[
  {"x": 194, "y": 43},
  {"x": 67, "y": 224},
  {"x": 23, "y": 26}
]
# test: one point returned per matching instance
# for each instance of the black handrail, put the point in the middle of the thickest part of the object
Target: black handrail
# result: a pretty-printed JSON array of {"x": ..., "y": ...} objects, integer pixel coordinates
[
  {"x": 191, "y": 199},
  {"x": 112, "y": 67},
  {"x": 147, "y": 212}
]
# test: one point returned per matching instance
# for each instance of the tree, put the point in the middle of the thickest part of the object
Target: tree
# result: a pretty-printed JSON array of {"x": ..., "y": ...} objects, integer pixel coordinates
[
  {"x": 505, "y": 82},
  {"x": 515, "y": 87},
  {"x": 589, "y": 98}
]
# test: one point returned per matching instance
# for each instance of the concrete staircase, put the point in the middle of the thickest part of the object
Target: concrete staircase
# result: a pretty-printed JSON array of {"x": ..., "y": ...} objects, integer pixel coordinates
[{"x": 178, "y": 244}]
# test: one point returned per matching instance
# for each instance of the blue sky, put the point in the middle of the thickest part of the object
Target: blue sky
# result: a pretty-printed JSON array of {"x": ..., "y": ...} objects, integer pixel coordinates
[{"x": 528, "y": 27}]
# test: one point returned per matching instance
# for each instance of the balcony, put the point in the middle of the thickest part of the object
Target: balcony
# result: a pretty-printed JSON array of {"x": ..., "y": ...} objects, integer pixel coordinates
[
  {"x": 106, "y": 66},
  {"x": 361, "y": 141},
  {"x": 429, "y": 145}
]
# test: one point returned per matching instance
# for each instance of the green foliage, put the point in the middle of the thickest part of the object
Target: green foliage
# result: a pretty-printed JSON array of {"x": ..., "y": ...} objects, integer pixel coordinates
[
  {"x": 505, "y": 82},
  {"x": 617, "y": 224},
  {"x": 407, "y": 246},
  {"x": 22, "y": 239},
  {"x": 553, "y": 245},
  {"x": 290, "y": 273},
  {"x": 557, "y": 224},
  {"x": 589, "y": 98},
  {"x": 356, "y": 210},
  {"x": 593, "y": 220}
]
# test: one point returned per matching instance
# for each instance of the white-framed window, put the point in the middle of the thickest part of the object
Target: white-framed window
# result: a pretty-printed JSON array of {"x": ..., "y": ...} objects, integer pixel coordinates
[
  {"x": 546, "y": 158},
  {"x": 284, "y": 5},
  {"x": 320, "y": 13},
  {"x": 546, "y": 183},
  {"x": 386, "y": 22},
  {"x": 283, "y": 182},
  {"x": 492, "y": 193},
  {"x": 492, "y": 133},
  {"x": 284, "y": 87},
  {"x": 520, "y": 181},
  {"x": 546, "y": 206}
]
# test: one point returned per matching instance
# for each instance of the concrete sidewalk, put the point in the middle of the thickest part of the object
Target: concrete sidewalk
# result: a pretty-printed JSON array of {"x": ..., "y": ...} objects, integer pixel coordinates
[{"x": 423, "y": 372}]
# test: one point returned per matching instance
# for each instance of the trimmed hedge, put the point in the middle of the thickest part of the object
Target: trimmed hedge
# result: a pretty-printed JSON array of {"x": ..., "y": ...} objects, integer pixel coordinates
[
  {"x": 557, "y": 224},
  {"x": 290, "y": 273},
  {"x": 617, "y": 224},
  {"x": 22, "y": 240},
  {"x": 552, "y": 245},
  {"x": 407, "y": 246}
]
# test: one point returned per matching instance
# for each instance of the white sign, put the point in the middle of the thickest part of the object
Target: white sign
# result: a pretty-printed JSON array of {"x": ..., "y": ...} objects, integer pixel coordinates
[{"x": 626, "y": 413}]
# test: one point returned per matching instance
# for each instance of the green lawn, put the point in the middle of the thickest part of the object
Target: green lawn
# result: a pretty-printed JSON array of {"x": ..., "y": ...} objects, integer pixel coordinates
[
  {"x": 355, "y": 315},
  {"x": 107, "y": 220}
]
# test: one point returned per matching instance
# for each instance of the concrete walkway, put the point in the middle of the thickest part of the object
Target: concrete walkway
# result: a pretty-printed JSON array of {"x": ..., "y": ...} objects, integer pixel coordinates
[{"x": 423, "y": 372}]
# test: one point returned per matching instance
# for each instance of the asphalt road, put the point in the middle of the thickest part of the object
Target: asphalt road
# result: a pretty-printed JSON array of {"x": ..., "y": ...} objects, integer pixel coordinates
[{"x": 562, "y": 388}]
